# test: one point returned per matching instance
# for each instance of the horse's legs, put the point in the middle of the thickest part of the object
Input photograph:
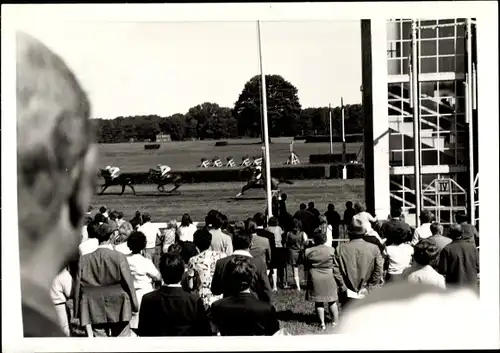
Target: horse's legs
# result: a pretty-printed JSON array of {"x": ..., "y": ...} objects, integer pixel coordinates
[
  {"x": 103, "y": 188},
  {"x": 177, "y": 185},
  {"x": 133, "y": 189},
  {"x": 247, "y": 187},
  {"x": 123, "y": 188}
]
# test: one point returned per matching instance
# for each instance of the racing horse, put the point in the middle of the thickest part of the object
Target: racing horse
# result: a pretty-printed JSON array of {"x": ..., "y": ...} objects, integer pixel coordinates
[
  {"x": 252, "y": 183},
  {"x": 122, "y": 180},
  {"x": 154, "y": 176}
]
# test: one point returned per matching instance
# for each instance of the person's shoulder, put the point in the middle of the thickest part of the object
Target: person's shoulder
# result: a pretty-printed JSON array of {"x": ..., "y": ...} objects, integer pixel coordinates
[{"x": 151, "y": 296}]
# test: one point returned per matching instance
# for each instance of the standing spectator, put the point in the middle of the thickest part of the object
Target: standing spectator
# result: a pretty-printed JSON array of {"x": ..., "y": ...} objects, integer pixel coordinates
[
  {"x": 321, "y": 286},
  {"x": 424, "y": 231},
  {"x": 204, "y": 264},
  {"x": 327, "y": 228},
  {"x": 395, "y": 227},
  {"x": 151, "y": 232},
  {"x": 295, "y": 241},
  {"x": 104, "y": 211},
  {"x": 119, "y": 218},
  {"x": 241, "y": 313},
  {"x": 84, "y": 233},
  {"x": 143, "y": 271},
  {"x": 459, "y": 260},
  {"x": 54, "y": 149},
  {"x": 221, "y": 242},
  {"x": 170, "y": 311},
  {"x": 260, "y": 284},
  {"x": 366, "y": 218},
  {"x": 282, "y": 203},
  {"x": 285, "y": 219},
  {"x": 260, "y": 246},
  {"x": 186, "y": 229},
  {"x": 120, "y": 243},
  {"x": 168, "y": 236},
  {"x": 225, "y": 225},
  {"x": 260, "y": 221},
  {"x": 470, "y": 231},
  {"x": 137, "y": 220},
  {"x": 92, "y": 243},
  {"x": 437, "y": 235},
  {"x": 306, "y": 218},
  {"x": 188, "y": 250},
  {"x": 333, "y": 219},
  {"x": 278, "y": 258},
  {"x": 315, "y": 212},
  {"x": 399, "y": 255},
  {"x": 104, "y": 291},
  {"x": 348, "y": 213},
  {"x": 359, "y": 264},
  {"x": 422, "y": 271}
]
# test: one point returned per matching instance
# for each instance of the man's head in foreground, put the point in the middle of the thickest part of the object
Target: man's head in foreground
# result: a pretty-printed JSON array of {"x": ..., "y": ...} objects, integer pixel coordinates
[{"x": 55, "y": 161}]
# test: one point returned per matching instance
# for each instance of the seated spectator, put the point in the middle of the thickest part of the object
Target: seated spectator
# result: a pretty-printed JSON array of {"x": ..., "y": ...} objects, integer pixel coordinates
[
  {"x": 359, "y": 265},
  {"x": 104, "y": 290},
  {"x": 143, "y": 271},
  {"x": 399, "y": 254},
  {"x": 261, "y": 246},
  {"x": 137, "y": 220},
  {"x": 204, "y": 264},
  {"x": 333, "y": 219},
  {"x": 321, "y": 286},
  {"x": 241, "y": 313},
  {"x": 424, "y": 230},
  {"x": 280, "y": 256},
  {"x": 221, "y": 242},
  {"x": 260, "y": 285},
  {"x": 470, "y": 231},
  {"x": 186, "y": 229},
  {"x": 459, "y": 260},
  {"x": 425, "y": 258},
  {"x": 295, "y": 241},
  {"x": 437, "y": 235},
  {"x": 120, "y": 242},
  {"x": 170, "y": 311}
]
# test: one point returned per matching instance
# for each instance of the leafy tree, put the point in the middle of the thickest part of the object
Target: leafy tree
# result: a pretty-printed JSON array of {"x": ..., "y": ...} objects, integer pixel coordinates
[{"x": 283, "y": 107}]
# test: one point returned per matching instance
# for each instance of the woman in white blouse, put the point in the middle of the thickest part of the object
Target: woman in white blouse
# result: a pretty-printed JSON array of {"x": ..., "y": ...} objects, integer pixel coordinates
[
  {"x": 366, "y": 218},
  {"x": 186, "y": 230}
]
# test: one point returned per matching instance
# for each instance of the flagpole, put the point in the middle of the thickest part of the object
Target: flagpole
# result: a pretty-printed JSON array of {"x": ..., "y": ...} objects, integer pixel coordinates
[
  {"x": 331, "y": 127},
  {"x": 344, "y": 168},
  {"x": 267, "y": 159}
]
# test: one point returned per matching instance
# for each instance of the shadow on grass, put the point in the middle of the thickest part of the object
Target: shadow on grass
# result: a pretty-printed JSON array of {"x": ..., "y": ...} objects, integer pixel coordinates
[{"x": 251, "y": 198}]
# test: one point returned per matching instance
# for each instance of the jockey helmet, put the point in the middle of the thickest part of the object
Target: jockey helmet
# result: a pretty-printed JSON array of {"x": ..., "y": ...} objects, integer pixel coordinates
[
  {"x": 158, "y": 165},
  {"x": 108, "y": 167}
]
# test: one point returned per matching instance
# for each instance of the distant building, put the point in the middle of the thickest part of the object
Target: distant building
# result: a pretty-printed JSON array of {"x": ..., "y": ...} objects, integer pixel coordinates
[{"x": 163, "y": 138}]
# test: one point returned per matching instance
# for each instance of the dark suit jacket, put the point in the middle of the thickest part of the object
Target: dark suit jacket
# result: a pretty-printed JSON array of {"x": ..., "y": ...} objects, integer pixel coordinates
[
  {"x": 470, "y": 233},
  {"x": 262, "y": 246},
  {"x": 104, "y": 288},
  {"x": 459, "y": 263},
  {"x": 170, "y": 311},
  {"x": 260, "y": 284},
  {"x": 308, "y": 221},
  {"x": 244, "y": 315}
]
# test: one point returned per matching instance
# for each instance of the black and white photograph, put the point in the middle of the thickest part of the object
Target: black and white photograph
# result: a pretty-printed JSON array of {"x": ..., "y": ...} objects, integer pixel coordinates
[{"x": 311, "y": 172}]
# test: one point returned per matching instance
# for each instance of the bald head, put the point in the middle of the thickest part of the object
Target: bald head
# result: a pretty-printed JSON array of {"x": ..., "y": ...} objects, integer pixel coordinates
[{"x": 53, "y": 137}]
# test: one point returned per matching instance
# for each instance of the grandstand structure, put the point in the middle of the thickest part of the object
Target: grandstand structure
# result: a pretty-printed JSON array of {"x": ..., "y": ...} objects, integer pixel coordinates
[{"x": 419, "y": 98}]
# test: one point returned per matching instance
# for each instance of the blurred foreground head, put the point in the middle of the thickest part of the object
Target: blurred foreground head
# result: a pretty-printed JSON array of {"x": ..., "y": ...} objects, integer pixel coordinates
[{"x": 54, "y": 159}]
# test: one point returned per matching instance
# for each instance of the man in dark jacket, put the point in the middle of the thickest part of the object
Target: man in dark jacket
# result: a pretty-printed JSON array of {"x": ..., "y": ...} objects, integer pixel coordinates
[
  {"x": 459, "y": 260},
  {"x": 260, "y": 286},
  {"x": 470, "y": 232},
  {"x": 395, "y": 227},
  {"x": 307, "y": 219},
  {"x": 241, "y": 313}
]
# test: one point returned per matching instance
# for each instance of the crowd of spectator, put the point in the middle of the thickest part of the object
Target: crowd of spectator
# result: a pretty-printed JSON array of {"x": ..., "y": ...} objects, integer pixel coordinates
[{"x": 137, "y": 278}]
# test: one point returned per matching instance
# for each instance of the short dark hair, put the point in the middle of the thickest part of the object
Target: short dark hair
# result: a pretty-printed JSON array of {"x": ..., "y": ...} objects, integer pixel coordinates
[
  {"x": 455, "y": 231},
  {"x": 186, "y": 220},
  {"x": 113, "y": 215},
  {"x": 202, "y": 238},
  {"x": 283, "y": 197},
  {"x": 348, "y": 204},
  {"x": 311, "y": 204},
  {"x": 136, "y": 242},
  {"x": 426, "y": 252},
  {"x": 331, "y": 207},
  {"x": 251, "y": 226},
  {"x": 120, "y": 215},
  {"x": 302, "y": 206},
  {"x": 426, "y": 216},
  {"x": 102, "y": 209},
  {"x": 273, "y": 222},
  {"x": 240, "y": 273},
  {"x": 396, "y": 212},
  {"x": 92, "y": 230},
  {"x": 259, "y": 219},
  {"x": 436, "y": 228},
  {"x": 175, "y": 248},
  {"x": 171, "y": 268},
  {"x": 99, "y": 218},
  {"x": 214, "y": 219},
  {"x": 461, "y": 217},
  {"x": 242, "y": 240},
  {"x": 146, "y": 217}
]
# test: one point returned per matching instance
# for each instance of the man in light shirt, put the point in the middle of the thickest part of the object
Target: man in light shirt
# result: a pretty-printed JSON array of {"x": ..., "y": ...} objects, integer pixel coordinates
[
  {"x": 220, "y": 242},
  {"x": 424, "y": 231},
  {"x": 151, "y": 232},
  {"x": 91, "y": 243}
]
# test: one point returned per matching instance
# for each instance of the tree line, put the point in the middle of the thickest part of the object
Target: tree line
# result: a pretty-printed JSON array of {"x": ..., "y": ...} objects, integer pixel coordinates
[{"x": 211, "y": 121}]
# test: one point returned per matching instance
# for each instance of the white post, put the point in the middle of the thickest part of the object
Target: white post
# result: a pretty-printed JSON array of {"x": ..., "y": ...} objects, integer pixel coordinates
[
  {"x": 416, "y": 120},
  {"x": 344, "y": 168},
  {"x": 469, "y": 118},
  {"x": 331, "y": 127},
  {"x": 267, "y": 159}
]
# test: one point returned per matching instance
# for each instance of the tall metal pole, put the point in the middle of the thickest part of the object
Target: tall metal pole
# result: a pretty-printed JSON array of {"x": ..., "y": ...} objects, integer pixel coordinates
[
  {"x": 267, "y": 159},
  {"x": 331, "y": 127},
  {"x": 469, "y": 119},
  {"x": 344, "y": 168},
  {"x": 416, "y": 118}
]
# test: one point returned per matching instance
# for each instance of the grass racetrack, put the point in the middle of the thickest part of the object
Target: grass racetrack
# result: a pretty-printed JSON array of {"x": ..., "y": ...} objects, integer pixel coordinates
[{"x": 185, "y": 155}]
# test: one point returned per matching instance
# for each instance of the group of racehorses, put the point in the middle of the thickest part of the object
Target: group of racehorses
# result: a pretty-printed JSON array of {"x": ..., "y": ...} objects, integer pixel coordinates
[{"x": 155, "y": 177}]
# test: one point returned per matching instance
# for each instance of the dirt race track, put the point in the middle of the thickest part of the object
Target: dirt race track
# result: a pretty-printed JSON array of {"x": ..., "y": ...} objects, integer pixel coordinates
[{"x": 198, "y": 199}]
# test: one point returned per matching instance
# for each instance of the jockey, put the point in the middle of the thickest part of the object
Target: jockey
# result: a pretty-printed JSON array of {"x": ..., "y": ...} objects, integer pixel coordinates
[
  {"x": 257, "y": 161},
  {"x": 205, "y": 163},
  {"x": 258, "y": 173},
  {"x": 230, "y": 162},
  {"x": 216, "y": 162},
  {"x": 164, "y": 169},
  {"x": 245, "y": 162},
  {"x": 113, "y": 171}
]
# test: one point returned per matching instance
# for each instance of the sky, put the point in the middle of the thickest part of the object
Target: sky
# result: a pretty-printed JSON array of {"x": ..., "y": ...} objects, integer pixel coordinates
[{"x": 163, "y": 68}]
